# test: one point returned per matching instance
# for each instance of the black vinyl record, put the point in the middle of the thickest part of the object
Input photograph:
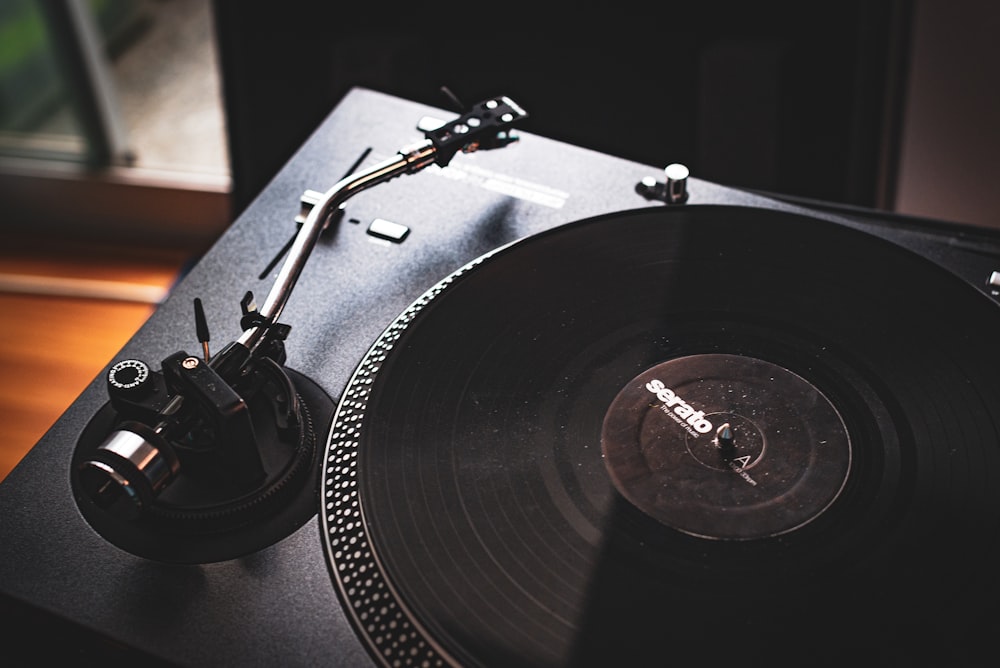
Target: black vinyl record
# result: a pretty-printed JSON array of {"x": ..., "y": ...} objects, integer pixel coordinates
[{"x": 675, "y": 435}]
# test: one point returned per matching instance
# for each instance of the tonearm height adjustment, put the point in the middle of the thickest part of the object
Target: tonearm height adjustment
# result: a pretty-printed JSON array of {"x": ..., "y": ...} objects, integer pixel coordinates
[{"x": 193, "y": 420}]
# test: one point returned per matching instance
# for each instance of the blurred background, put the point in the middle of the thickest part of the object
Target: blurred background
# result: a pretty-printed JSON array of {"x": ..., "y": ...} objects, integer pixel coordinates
[{"x": 133, "y": 132}]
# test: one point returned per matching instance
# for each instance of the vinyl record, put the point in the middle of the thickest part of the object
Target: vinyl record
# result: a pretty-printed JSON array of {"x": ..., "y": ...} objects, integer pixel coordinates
[{"x": 675, "y": 435}]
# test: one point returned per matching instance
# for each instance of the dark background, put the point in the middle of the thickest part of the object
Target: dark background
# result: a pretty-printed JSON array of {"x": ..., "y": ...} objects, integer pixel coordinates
[{"x": 799, "y": 98}]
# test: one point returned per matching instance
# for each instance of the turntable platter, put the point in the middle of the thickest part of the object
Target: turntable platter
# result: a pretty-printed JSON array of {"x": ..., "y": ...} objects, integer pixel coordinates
[{"x": 520, "y": 471}]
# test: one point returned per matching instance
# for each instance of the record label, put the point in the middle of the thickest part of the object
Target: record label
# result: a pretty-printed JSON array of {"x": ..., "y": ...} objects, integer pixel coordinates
[{"x": 726, "y": 446}]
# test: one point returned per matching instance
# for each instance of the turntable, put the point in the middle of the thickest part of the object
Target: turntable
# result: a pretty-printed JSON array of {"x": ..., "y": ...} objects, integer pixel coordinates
[{"x": 534, "y": 406}]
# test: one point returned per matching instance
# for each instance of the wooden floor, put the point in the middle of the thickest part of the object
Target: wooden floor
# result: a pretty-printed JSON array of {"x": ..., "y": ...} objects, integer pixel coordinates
[{"x": 65, "y": 311}]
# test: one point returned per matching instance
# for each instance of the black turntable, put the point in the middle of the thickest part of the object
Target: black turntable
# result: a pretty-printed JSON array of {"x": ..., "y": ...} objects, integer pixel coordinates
[{"x": 533, "y": 406}]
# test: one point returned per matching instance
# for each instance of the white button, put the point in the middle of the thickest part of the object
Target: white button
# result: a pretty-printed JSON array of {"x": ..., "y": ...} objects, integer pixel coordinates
[{"x": 386, "y": 229}]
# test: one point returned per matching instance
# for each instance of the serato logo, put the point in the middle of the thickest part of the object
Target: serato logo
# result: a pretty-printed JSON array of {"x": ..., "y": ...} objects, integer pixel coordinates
[{"x": 683, "y": 411}]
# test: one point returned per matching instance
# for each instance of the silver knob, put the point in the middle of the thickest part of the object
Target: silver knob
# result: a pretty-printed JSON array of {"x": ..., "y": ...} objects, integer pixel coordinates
[{"x": 676, "y": 182}]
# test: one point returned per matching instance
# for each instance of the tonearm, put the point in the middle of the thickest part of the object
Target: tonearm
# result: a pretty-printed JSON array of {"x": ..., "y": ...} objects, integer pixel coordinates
[{"x": 193, "y": 419}]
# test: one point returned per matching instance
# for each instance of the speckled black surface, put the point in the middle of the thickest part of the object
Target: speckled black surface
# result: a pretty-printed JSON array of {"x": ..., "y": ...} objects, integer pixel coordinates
[{"x": 278, "y": 606}]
